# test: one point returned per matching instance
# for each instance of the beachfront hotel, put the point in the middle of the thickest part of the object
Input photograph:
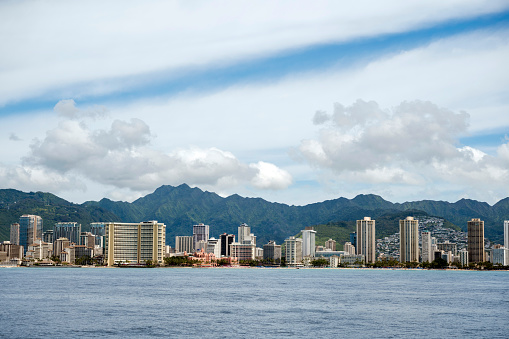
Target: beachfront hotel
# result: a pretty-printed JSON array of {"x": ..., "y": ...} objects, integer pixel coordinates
[
  {"x": 366, "y": 239},
  {"x": 408, "y": 240},
  {"x": 475, "y": 240},
  {"x": 134, "y": 243}
]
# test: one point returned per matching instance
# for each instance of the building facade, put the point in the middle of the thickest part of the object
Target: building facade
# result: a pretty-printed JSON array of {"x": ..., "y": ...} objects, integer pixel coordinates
[
  {"x": 200, "y": 233},
  {"x": 134, "y": 243},
  {"x": 226, "y": 241},
  {"x": 506, "y": 234},
  {"x": 308, "y": 242},
  {"x": 426, "y": 253},
  {"x": 366, "y": 242},
  {"x": 14, "y": 235},
  {"x": 409, "y": 240},
  {"x": 293, "y": 251},
  {"x": 330, "y": 244},
  {"x": 69, "y": 230},
  {"x": 30, "y": 229},
  {"x": 184, "y": 244},
  {"x": 271, "y": 251},
  {"x": 475, "y": 240}
]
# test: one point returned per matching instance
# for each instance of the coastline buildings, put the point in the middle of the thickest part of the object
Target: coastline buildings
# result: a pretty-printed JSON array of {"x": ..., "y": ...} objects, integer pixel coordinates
[
  {"x": 409, "y": 240},
  {"x": 427, "y": 254},
  {"x": 293, "y": 251},
  {"x": 308, "y": 242},
  {"x": 475, "y": 240},
  {"x": 200, "y": 233},
  {"x": 30, "y": 229},
  {"x": 134, "y": 243},
  {"x": 366, "y": 239}
]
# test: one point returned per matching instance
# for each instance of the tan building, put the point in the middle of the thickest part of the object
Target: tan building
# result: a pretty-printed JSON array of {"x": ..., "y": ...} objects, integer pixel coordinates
[
  {"x": 408, "y": 240},
  {"x": 330, "y": 244},
  {"x": 366, "y": 239},
  {"x": 134, "y": 243},
  {"x": 475, "y": 240}
]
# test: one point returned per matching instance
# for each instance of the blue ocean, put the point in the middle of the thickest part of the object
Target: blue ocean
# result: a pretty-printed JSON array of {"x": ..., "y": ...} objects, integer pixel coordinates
[{"x": 252, "y": 303}]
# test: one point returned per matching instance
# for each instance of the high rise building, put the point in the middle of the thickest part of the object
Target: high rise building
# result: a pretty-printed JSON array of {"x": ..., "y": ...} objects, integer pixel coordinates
[
  {"x": 245, "y": 235},
  {"x": 330, "y": 244},
  {"x": 30, "y": 229},
  {"x": 14, "y": 236},
  {"x": 349, "y": 248},
  {"x": 184, "y": 244},
  {"x": 47, "y": 236},
  {"x": 506, "y": 234},
  {"x": 272, "y": 251},
  {"x": 97, "y": 229},
  {"x": 366, "y": 239},
  {"x": 353, "y": 239},
  {"x": 427, "y": 254},
  {"x": 447, "y": 246},
  {"x": 69, "y": 230},
  {"x": 134, "y": 242},
  {"x": 200, "y": 232},
  {"x": 409, "y": 240},
  {"x": 226, "y": 240},
  {"x": 308, "y": 242},
  {"x": 475, "y": 240},
  {"x": 214, "y": 246},
  {"x": 293, "y": 251}
]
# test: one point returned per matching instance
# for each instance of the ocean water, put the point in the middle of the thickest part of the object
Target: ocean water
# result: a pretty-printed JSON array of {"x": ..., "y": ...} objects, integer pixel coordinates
[{"x": 252, "y": 303}]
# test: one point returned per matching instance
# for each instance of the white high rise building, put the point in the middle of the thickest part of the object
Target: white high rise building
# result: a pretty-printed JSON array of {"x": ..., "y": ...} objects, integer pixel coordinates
[
  {"x": 506, "y": 234},
  {"x": 409, "y": 240},
  {"x": 427, "y": 252},
  {"x": 366, "y": 239},
  {"x": 308, "y": 242}
]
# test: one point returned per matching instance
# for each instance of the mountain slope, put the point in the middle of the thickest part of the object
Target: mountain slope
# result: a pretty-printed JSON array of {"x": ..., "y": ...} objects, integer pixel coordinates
[{"x": 181, "y": 207}]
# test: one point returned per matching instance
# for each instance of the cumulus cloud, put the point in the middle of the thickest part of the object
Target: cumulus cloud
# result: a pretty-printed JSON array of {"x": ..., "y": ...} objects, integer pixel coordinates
[
  {"x": 415, "y": 143},
  {"x": 121, "y": 156}
]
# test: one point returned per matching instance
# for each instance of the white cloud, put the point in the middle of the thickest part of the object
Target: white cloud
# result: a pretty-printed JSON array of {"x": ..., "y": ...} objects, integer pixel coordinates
[
  {"x": 414, "y": 144},
  {"x": 121, "y": 157}
]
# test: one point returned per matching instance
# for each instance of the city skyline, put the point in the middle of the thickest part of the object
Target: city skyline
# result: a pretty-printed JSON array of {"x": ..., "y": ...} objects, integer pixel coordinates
[{"x": 407, "y": 101}]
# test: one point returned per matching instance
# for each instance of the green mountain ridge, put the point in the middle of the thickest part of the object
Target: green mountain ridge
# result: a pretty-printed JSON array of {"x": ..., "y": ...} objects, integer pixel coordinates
[{"x": 182, "y": 206}]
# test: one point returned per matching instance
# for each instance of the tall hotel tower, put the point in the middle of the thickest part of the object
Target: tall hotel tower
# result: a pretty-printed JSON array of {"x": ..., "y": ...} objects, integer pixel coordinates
[
  {"x": 475, "y": 240},
  {"x": 134, "y": 242},
  {"x": 408, "y": 240},
  {"x": 200, "y": 233},
  {"x": 426, "y": 247},
  {"x": 506, "y": 234},
  {"x": 30, "y": 229},
  {"x": 308, "y": 242},
  {"x": 366, "y": 239}
]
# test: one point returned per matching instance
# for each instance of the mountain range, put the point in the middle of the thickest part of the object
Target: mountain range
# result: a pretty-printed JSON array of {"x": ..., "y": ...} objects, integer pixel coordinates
[{"x": 181, "y": 207}]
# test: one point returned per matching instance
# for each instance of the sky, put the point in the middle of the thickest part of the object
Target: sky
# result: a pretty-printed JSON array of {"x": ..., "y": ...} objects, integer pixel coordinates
[{"x": 294, "y": 102}]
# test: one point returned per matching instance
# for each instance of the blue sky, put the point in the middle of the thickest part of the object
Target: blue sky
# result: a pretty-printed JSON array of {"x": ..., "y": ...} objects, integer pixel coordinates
[{"x": 291, "y": 103}]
